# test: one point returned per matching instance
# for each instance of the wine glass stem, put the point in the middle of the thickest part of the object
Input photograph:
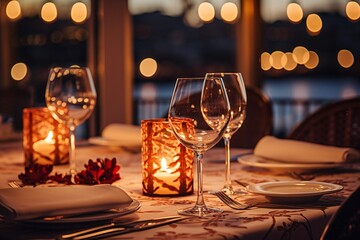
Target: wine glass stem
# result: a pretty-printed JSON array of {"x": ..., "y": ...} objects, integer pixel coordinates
[
  {"x": 200, "y": 204},
  {"x": 72, "y": 153},
  {"x": 227, "y": 187}
]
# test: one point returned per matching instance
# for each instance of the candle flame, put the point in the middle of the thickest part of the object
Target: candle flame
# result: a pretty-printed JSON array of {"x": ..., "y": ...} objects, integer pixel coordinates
[
  {"x": 164, "y": 166},
  {"x": 49, "y": 138}
]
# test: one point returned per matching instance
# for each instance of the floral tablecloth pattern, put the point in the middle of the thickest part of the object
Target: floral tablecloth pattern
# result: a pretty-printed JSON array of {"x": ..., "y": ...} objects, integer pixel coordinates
[{"x": 264, "y": 220}]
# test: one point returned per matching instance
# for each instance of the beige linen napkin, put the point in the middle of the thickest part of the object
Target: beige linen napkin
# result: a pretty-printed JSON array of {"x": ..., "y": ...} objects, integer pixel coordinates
[
  {"x": 30, "y": 203},
  {"x": 286, "y": 150},
  {"x": 130, "y": 135}
]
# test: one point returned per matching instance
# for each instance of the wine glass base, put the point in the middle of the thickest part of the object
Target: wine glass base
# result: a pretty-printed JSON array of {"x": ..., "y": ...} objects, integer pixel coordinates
[{"x": 200, "y": 211}]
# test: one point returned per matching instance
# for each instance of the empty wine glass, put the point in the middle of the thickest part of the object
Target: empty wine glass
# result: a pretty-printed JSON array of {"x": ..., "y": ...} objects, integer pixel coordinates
[
  {"x": 70, "y": 96},
  {"x": 236, "y": 92},
  {"x": 198, "y": 114}
]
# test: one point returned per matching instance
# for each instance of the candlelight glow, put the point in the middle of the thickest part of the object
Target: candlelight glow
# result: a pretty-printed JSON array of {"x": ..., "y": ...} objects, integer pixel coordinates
[
  {"x": 164, "y": 167},
  {"x": 49, "y": 137}
]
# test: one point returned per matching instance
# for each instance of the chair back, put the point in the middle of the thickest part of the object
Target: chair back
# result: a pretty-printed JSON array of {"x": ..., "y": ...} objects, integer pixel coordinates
[
  {"x": 335, "y": 124},
  {"x": 258, "y": 121}
]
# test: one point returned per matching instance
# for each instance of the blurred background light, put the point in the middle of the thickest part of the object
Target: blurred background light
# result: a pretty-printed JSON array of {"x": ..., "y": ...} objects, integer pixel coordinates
[
  {"x": 206, "y": 11},
  {"x": 13, "y": 10},
  {"x": 265, "y": 61},
  {"x": 345, "y": 58},
  {"x": 19, "y": 71},
  {"x": 352, "y": 10},
  {"x": 148, "y": 67},
  {"x": 79, "y": 12},
  {"x": 275, "y": 60},
  {"x": 229, "y": 12},
  {"x": 301, "y": 55},
  {"x": 49, "y": 12},
  {"x": 288, "y": 61},
  {"x": 294, "y": 12},
  {"x": 313, "y": 61},
  {"x": 313, "y": 24}
]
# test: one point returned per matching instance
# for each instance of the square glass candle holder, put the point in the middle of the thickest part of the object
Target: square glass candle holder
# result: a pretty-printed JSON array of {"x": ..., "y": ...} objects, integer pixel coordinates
[
  {"x": 167, "y": 166},
  {"x": 45, "y": 140}
]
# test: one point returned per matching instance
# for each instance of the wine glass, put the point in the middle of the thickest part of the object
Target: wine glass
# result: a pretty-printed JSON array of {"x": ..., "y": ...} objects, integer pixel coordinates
[
  {"x": 203, "y": 105},
  {"x": 70, "y": 97},
  {"x": 236, "y": 92}
]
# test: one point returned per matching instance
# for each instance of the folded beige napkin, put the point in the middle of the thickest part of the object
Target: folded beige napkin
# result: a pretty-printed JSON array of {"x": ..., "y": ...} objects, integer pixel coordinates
[
  {"x": 286, "y": 150},
  {"x": 130, "y": 135},
  {"x": 30, "y": 203}
]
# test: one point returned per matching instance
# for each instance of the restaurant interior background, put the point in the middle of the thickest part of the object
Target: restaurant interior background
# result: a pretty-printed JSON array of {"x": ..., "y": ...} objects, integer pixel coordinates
[{"x": 307, "y": 53}]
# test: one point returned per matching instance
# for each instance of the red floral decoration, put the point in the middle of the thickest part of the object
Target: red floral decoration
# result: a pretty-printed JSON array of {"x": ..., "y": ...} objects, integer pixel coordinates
[
  {"x": 103, "y": 171},
  {"x": 36, "y": 174},
  {"x": 99, "y": 172}
]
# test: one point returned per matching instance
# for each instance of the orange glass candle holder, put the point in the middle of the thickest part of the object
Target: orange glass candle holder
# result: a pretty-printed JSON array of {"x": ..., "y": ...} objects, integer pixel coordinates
[
  {"x": 45, "y": 140},
  {"x": 167, "y": 166}
]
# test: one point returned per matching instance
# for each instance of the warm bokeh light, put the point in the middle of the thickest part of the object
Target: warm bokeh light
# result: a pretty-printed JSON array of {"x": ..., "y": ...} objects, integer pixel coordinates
[
  {"x": 13, "y": 10},
  {"x": 229, "y": 12},
  {"x": 79, "y": 12},
  {"x": 49, "y": 12},
  {"x": 288, "y": 61},
  {"x": 345, "y": 58},
  {"x": 265, "y": 61},
  {"x": 313, "y": 61},
  {"x": 352, "y": 10},
  {"x": 275, "y": 60},
  {"x": 19, "y": 71},
  {"x": 313, "y": 24},
  {"x": 301, "y": 55},
  {"x": 148, "y": 67},
  {"x": 294, "y": 12},
  {"x": 206, "y": 11}
]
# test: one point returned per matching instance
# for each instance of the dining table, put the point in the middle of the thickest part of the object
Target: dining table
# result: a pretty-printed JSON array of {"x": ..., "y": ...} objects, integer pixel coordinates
[{"x": 263, "y": 220}]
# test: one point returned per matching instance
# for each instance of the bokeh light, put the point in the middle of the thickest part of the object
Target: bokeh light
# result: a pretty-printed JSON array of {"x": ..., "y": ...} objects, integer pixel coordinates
[
  {"x": 19, "y": 71},
  {"x": 352, "y": 10},
  {"x": 275, "y": 60},
  {"x": 294, "y": 12},
  {"x": 313, "y": 61},
  {"x": 229, "y": 12},
  {"x": 13, "y": 10},
  {"x": 79, "y": 12},
  {"x": 301, "y": 55},
  {"x": 314, "y": 24},
  {"x": 49, "y": 12},
  {"x": 345, "y": 58},
  {"x": 288, "y": 61},
  {"x": 148, "y": 67},
  {"x": 206, "y": 11},
  {"x": 265, "y": 61}
]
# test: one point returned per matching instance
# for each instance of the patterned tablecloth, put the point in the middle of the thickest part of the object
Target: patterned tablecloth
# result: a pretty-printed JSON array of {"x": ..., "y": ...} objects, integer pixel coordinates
[{"x": 264, "y": 220}]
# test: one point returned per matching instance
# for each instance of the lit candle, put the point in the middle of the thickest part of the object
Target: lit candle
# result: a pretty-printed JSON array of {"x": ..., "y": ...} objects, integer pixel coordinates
[
  {"x": 43, "y": 149},
  {"x": 167, "y": 176}
]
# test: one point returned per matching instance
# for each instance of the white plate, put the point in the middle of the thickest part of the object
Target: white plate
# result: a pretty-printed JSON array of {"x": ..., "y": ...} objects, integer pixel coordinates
[
  {"x": 93, "y": 217},
  {"x": 293, "y": 191},
  {"x": 256, "y": 161},
  {"x": 113, "y": 143}
]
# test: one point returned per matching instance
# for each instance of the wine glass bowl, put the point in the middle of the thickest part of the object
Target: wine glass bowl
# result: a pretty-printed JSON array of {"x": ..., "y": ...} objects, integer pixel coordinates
[
  {"x": 236, "y": 92},
  {"x": 203, "y": 105},
  {"x": 70, "y": 97}
]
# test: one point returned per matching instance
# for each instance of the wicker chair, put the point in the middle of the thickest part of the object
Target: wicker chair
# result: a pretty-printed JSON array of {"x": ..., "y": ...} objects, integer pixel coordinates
[
  {"x": 258, "y": 122},
  {"x": 335, "y": 124}
]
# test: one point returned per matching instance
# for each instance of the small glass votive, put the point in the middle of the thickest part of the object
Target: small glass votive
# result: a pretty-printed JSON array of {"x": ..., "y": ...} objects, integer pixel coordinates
[
  {"x": 167, "y": 166},
  {"x": 45, "y": 140}
]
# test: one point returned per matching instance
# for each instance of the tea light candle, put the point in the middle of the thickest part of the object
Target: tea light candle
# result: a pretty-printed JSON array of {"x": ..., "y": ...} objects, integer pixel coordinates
[
  {"x": 167, "y": 165},
  {"x": 43, "y": 149},
  {"x": 45, "y": 140}
]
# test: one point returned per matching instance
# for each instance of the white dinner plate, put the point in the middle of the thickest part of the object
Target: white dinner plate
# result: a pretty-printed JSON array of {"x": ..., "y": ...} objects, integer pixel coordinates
[
  {"x": 92, "y": 217},
  {"x": 293, "y": 191},
  {"x": 256, "y": 161},
  {"x": 113, "y": 143}
]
